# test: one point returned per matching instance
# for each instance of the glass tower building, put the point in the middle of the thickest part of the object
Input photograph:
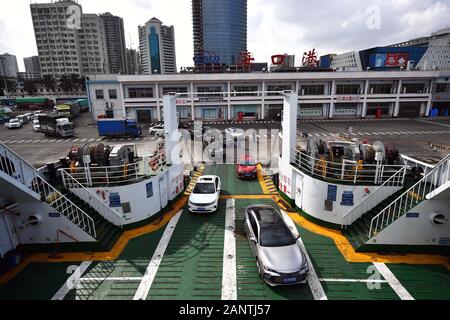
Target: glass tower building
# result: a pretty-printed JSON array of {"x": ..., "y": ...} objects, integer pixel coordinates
[{"x": 220, "y": 30}]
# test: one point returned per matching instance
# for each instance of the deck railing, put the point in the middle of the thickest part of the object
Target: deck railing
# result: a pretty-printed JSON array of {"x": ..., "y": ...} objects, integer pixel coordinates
[
  {"x": 110, "y": 176},
  {"x": 437, "y": 177},
  {"x": 89, "y": 197},
  {"x": 16, "y": 167},
  {"x": 347, "y": 171},
  {"x": 388, "y": 188}
]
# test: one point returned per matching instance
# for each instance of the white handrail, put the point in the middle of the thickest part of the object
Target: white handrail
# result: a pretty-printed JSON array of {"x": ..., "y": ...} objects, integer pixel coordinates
[
  {"x": 345, "y": 171},
  {"x": 47, "y": 192},
  {"x": 64, "y": 206},
  {"x": 366, "y": 204},
  {"x": 91, "y": 199},
  {"x": 411, "y": 197}
]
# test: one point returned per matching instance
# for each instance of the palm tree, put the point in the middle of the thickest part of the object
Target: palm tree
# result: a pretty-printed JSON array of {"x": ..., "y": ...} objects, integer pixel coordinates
[
  {"x": 49, "y": 82},
  {"x": 30, "y": 87},
  {"x": 65, "y": 84},
  {"x": 82, "y": 83}
]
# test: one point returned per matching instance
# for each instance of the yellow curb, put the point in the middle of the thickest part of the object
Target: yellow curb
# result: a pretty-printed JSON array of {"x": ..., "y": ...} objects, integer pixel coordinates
[
  {"x": 351, "y": 255},
  {"x": 98, "y": 256}
]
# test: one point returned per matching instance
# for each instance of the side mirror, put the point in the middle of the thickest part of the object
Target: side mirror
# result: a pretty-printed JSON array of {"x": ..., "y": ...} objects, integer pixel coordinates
[
  {"x": 297, "y": 238},
  {"x": 254, "y": 240}
]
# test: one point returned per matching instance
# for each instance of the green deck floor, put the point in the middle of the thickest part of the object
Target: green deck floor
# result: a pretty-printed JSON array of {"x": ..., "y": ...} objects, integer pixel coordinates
[
  {"x": 192, "y": 265},
  {"x": 231, "y": 185},
  {"x": 132, "y": 263}
]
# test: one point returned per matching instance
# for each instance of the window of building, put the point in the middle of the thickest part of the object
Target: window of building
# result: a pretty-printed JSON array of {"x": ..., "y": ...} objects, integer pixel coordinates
[
  {"x": 381, "y": 89},
  {"x": 278, "y": 89},
  {"x": 414, "y": 88},
  {"x": 442, "y": 88},
  {"x": 240, "y": 91},
  {"x": 168, "y": 90},
  {"x": 312, "y": 90},
  {"x": 99, "y": 95},
  {"x": 348, "y": 89},
  {"x": 212, "y": 90},
  {"x": 134, "y": 93},
  {"x": 113, "y": 94}
]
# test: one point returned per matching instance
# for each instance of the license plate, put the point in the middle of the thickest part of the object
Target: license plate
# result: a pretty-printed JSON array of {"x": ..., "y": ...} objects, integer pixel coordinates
[{"x": 289, "y": 280}]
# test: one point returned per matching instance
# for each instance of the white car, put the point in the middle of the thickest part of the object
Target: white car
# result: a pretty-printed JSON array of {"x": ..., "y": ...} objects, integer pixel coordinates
[
  {"x": 157, "y": 130},
  {"x": 36, "y": 126},
  {"x": 205, "y": 196},
  {"x": 14, "y": 124}
]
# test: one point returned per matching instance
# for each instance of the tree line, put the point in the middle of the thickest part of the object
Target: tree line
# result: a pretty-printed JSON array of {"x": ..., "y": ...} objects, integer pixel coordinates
[{"x": 67, "y": 83}]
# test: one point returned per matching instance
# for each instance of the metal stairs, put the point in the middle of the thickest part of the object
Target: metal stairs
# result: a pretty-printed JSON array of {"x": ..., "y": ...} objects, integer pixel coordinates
[
  {"x": 394, "y": 207},
  {"x": 24, "y": 176}
]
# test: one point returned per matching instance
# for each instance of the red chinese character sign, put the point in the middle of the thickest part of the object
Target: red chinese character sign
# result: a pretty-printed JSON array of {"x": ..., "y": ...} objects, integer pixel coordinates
[
  {"x": 310, "y": 59},
  {"x": 246, "y": 59}
]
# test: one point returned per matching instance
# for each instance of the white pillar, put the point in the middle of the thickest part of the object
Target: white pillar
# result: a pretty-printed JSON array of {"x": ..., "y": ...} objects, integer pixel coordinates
[
  {"x": 263, "y": 100},
  {"x": 158, "y": 106},
  {"x": 333, "y": 93},
  {"x": 229, "y": 101},
  {"x": 289, "y": 144},
  {"x": 430, "y": 99},
  {"x": 397, "y": 99},
  {"x": 192, "y": 102},
  {"x": 171, "y": 125},
  {"x": 289, "y": 125},
  {"x": 366, "y": 92}
]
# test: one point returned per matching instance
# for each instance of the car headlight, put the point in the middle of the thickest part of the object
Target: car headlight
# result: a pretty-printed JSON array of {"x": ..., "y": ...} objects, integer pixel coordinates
[{"x": 269, "y": 269}]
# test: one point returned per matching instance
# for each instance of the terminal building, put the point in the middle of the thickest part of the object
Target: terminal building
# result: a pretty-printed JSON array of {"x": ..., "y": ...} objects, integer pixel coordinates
[{"x": 221, "y": 97}]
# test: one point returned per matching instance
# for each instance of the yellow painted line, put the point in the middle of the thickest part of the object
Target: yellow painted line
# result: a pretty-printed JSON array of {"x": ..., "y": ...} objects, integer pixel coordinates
[
  {"x": 347, "y": 250},
  {"x": 98, "y": 256},
  {"x": 351, "y": 255},
  {"x": 266, "y": 183}
]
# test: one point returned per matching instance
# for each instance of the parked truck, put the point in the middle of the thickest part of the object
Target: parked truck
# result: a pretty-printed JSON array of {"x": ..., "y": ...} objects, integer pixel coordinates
[
  {"x": 70, "y": 110},
  {"x": 118, "y": 128},
  {"x": 56, "y": 125}
]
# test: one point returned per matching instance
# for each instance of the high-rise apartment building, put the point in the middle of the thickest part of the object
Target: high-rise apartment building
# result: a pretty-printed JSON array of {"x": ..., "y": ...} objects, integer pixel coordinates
[
  {"x": 157, "y": 48},
  {"x": 68, "y": 41},
  {"x": 32, "y": 65},
  {"x": 220, "y": 30},
  {"x": 133, "y": 62},
  {"x": 8, "y": 65},
  {"x": 115, "y": 42}
]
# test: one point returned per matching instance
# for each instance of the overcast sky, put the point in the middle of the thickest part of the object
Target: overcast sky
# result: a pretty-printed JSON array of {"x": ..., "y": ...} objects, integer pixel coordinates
[{"x": 274, "y": 27}]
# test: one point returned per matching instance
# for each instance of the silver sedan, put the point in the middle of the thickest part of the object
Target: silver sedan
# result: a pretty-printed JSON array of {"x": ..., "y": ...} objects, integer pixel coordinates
[{"x": 279, "y": 259}]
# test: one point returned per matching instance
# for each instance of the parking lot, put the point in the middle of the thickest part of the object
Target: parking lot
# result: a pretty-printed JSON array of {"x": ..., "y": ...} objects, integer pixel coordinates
[{"x": 411, "y": 136}]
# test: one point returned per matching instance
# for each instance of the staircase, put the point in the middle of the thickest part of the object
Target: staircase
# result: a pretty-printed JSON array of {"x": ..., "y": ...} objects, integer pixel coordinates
[
  {"x": 107, "y": 233},
  {"x": 392, "y": 208},
  {"x": 24, "y": 176}
]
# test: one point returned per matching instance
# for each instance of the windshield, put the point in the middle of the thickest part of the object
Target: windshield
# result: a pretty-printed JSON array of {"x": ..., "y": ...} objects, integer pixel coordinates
[
  {"x": 247, "y": 162},
  {"x": 14, "y": 120},
  {"x": 204, "y": 188},
  {"x": 35, "y": 122},
  {"x": 67, "y": 127},
  {"x": 276, "y": 236}
]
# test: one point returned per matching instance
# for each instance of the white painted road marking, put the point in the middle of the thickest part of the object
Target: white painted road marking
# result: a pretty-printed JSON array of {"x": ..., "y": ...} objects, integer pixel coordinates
[
  {"x": 354, "y": 280},
  {"x": 312, "y": 278},
  {"x": 229, "y": 282},
  {"x": 393, "y": 281},
  {"x": 72, "y": 280},
  {"x": 150, "y": 273}
]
